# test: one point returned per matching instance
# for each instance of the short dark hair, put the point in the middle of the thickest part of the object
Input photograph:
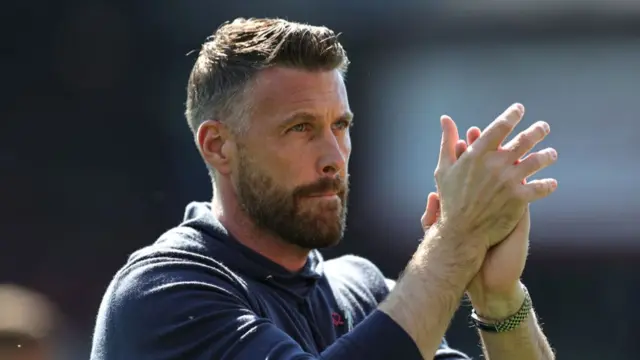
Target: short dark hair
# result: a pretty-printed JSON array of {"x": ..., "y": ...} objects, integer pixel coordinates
[{"x": 238, "y": 50}]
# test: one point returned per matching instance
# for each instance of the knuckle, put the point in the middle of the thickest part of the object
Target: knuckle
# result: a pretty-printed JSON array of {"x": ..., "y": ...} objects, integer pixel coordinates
[
  {"x": 513, "y": 113},
  {"x": 532, "y": 163},
  {"x": 508, "y": 179},
  {"x": 438, "y": 173},
  {"x": 540, "y": 189},
  {"x": 525, "y": 141},
  {"x": 523, "y": 193},
  {"x": 536, "y": 186},
  {"x": 537, "y": 161},
  {"x": 470, "y": 153},
  {"x": 503, "y": 124},
  {"x": 494, "y": 166}
]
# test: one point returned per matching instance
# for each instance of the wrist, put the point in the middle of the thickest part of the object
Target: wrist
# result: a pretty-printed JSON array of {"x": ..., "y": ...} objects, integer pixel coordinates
[
  {"x": 428, "y": 293},
  {"x": 456, "y": 250},
  {"x": 497, "y": 306},
  {"x": 441, "y": 265}
]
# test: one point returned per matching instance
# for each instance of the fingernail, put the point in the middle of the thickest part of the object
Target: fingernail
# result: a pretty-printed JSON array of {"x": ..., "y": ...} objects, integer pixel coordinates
[
  {"x": 519, "y": 106},
  {"x": 554, "y": 185},
  {"x": 553, "y": 153},
  {"x": 547, "y": 128}
]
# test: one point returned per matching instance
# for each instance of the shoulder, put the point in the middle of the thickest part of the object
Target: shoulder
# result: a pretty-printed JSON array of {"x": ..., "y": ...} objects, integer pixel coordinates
[
  {"x": 174, "y": 261},
  {"x": 161, "y": 287},
  {"x": 358, "y": 275}
]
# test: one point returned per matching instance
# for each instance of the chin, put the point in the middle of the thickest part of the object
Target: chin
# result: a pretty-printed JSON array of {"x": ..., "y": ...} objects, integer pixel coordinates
[
  {"x": 319, "y": 239},
  {"x": 330, "y": 240}
]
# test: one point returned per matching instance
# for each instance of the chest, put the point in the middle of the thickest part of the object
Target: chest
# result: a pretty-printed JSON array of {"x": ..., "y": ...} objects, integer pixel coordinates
[{"x": 314, "y": 321}]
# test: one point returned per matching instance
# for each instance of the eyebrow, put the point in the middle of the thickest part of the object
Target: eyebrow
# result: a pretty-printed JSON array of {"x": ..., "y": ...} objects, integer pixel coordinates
[{"x": 303, "y": 116}]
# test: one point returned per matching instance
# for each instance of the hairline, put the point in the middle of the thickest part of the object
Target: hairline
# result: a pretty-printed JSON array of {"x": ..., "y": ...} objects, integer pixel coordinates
[{"x": 240, "y": 106}]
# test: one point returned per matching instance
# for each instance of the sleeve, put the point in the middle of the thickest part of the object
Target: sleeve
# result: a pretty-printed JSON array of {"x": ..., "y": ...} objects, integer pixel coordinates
[{"x": 179, "y": 311}]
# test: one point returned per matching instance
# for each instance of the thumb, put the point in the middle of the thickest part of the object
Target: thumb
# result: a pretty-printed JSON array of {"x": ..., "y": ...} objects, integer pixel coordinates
[
  {"x": 432, "y": 211},
  {"x": 450, "y": 138}
]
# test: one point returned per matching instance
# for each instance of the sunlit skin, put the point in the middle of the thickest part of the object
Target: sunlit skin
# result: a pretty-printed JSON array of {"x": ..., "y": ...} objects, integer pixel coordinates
[{"x": 298, "y": 135}]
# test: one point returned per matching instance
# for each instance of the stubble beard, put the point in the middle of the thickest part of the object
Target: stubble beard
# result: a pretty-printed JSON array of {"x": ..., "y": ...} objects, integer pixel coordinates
[{"x": 285, "y": 214}]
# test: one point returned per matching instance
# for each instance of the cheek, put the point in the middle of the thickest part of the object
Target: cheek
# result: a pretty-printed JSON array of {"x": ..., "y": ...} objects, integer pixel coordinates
[
  {"x": 287, "y": 168},
  {"x": 301, "y": 170}
]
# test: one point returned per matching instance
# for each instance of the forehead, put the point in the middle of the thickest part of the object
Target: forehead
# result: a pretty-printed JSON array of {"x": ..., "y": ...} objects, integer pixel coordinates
[{"x": 278, "y": 92}]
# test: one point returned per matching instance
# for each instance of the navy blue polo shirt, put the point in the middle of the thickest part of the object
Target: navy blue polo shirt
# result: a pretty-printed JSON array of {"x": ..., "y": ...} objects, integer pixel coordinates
[{"x": 197, "y": 293}]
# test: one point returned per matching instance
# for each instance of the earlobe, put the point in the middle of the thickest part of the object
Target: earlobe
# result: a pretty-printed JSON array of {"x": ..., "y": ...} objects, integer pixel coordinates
[{"x": 215, "y": 145}]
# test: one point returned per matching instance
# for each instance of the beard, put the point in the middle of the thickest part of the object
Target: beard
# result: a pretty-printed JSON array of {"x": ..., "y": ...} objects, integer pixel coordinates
[{"x": 286, "y": 214}]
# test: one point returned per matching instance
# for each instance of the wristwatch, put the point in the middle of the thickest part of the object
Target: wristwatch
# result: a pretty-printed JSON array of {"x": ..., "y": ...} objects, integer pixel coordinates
[{"x": 507, "y": 324}]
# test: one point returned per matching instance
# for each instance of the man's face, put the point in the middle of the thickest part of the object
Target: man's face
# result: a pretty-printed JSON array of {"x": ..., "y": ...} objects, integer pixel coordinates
[{"x": 291, "y": 173}]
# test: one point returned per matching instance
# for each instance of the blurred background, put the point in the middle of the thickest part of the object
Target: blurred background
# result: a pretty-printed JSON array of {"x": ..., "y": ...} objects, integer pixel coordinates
[{"x": 97, "y": 159}]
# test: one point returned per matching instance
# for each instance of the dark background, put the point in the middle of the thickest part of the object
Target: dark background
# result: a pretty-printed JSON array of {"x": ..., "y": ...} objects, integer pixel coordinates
[{"x": 97, "y": 159}]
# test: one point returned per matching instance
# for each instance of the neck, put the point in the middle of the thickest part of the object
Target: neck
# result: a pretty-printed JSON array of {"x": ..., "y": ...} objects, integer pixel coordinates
[{"x": 228, "y": 211}]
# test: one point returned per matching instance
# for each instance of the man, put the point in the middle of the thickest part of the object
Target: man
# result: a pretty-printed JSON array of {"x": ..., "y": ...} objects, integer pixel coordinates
[{"x": 241, "y": 278}]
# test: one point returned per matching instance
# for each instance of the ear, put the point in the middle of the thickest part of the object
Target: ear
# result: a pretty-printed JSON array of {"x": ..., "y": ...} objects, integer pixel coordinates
[{"x": 216, "y": 145}]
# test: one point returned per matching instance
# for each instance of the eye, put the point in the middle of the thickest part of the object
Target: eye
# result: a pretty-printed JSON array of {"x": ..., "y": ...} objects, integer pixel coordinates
[
  {"x": 342, "y": 125},
  {"x": 299, "y": 128}
]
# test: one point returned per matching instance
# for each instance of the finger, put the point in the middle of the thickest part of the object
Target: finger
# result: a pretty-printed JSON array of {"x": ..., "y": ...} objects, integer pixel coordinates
[
  {"x": 524, "y": 180},
  {"x": 526, "y": 140},
  {"x": 535, "y": 162},
  {"x": 461, "y": 147},
  {"x": 499, "y": 129},
  {"x": 431, "y": 213},
  {"x": 473, "y": 134},
  {"x": 449, "y": 139},
  {"x": 538, "y": 189}
]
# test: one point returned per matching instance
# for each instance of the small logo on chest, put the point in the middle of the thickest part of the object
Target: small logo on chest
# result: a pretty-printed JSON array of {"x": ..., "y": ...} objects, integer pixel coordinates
[
  {"x": 337, "y": 319},
  {"x": 343, "y": 321}
]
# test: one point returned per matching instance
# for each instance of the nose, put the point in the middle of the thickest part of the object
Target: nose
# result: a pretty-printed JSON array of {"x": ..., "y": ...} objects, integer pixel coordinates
[{"x": 333, "y": 159}]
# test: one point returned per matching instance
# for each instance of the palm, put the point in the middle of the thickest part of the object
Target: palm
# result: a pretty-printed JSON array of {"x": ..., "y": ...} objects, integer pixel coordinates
[{"x": 504, "y": 263}]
